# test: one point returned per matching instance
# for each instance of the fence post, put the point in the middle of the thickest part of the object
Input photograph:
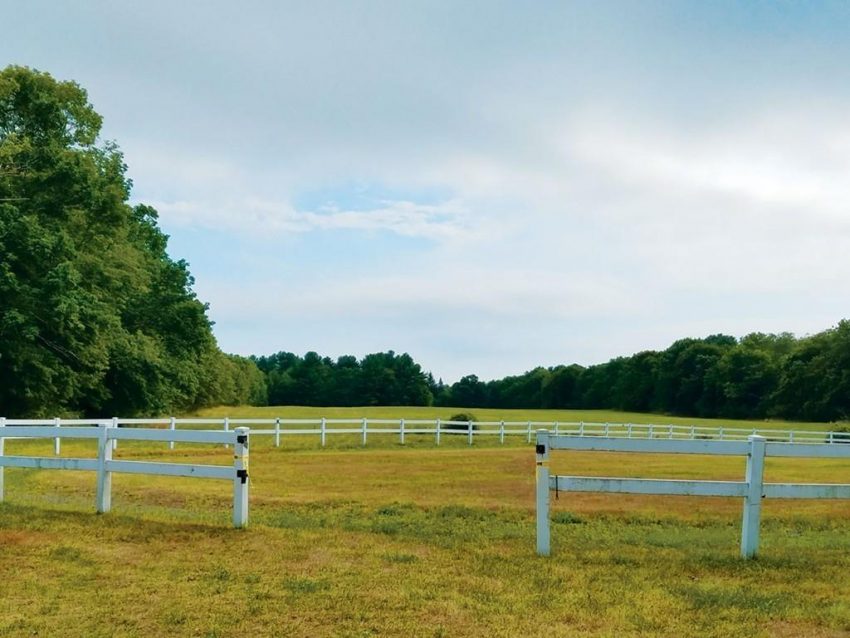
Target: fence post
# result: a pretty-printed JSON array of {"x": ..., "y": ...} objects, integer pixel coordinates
[
  {"x": 365, "y": 427},
  {"x": 693, "y": 432},
  {"x": 437, "y": 431},
  {"x": 502, "y": 432},
  {"x": 542, "y": 486},
  {"x": 650, "y": 431},
  {"x": 115, "y": 425},
  {"x": 669, "y": 430},
  {"x": 57, "y": 445},
  {"x": 528, "y": 427},
  {"x": 721, "y": 433},
  {"x": 277, "y": 432},
  {"x": 401, "y": 431},
  {"x": 831, "y": 437},
  {"x": 227, "y": 428},
  {"x": 240, "y": 478},
  {"x": 2, "y": 452},
  {"x": 629, "y": 430},
  {"x": 104, "y": 476},
  {"x": 752, "y": 501},
  {"x": 580, "y": 428},
  {"x": 469, "y": 431},
  {"x": 172, "y": 426},
  {"x": 556, "y": 428},
  {"x": 607, "y": 429},
  {"x": 323, "y": 428}
]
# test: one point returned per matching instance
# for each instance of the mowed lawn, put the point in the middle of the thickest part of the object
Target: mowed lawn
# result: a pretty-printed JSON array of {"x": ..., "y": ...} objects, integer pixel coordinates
[{"x": 413, "y": 541}]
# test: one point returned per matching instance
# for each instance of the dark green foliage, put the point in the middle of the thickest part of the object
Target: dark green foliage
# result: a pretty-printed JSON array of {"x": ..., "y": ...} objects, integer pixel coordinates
[
  {"x": 96, "y": 318},
  {"x": 382, "y": 378},
  {"x": 758, "y": 376}
]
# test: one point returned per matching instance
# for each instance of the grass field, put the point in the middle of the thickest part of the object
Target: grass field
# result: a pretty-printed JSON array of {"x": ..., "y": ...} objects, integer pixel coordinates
[{"x": 413, "y": 541}]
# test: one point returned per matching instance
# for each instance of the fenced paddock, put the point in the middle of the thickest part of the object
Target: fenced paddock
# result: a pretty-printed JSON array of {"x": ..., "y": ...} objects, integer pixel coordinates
[
  {"x": 107, "y": 435},
  {"x": 752, "y": 489},
  {"x": 365, "y": 429}
]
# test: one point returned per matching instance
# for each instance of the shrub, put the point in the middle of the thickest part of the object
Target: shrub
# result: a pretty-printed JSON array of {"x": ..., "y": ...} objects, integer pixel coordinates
[
  {"x": 463, "y": 418},
  {"x": 842, "y": 434}
]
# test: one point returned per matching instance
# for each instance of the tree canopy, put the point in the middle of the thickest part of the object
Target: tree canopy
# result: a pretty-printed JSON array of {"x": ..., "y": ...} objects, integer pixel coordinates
[{"x": 95, "y": 317}]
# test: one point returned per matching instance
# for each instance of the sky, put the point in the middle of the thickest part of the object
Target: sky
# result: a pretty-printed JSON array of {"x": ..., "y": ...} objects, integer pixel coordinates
[{"x": 488, "y": 186}]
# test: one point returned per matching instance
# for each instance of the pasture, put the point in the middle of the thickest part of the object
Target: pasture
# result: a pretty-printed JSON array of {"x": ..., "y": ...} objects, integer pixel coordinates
[{"x": 414, "y": 541}]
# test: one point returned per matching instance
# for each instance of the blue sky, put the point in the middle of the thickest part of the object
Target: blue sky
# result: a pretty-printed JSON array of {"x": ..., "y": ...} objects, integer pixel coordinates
[{"x": 489, "y": 186}]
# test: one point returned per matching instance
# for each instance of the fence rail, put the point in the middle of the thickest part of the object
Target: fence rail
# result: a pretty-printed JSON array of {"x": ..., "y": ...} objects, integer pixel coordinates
[
  {"x": 280, "y": 428},
  {"x": 753, "y": 488},
  {"x": 107, "y": 434}
]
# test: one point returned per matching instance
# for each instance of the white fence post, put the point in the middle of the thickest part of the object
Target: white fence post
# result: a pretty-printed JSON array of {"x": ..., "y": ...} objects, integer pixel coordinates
[
  {"x": 752, "y": 502},
  {"x": 580, "y": 428},
  {"x": 2, "y": 452},
  {"x": 469, "y": 431},
  {"x": 502, "y": 432},
  {"x": 240, "y": 480},
  {"x": 115, "y": 425},
  {"x": 556, "y": 429},
  {"x": 277, "y": 432},
  {"x": 172, "y": 426},
  {"x": 324, "y": 431},
  {"x": 542, "y": 486},
  {"x": 401, "y": 431},
  {"x": 528, "y": 436},
  {"x": 57, "y": 446},
  {"x": 364, "y": 426},
  {"x": 104, "y": 477},
  {"x": 226, "y": 428},
  {"x": 607, "y": 429}
]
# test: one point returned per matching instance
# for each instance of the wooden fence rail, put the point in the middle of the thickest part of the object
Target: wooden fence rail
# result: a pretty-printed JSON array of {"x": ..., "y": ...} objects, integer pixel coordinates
[
  {"x": 107, "y": 434},
  {"x": 753, "y": 488}
]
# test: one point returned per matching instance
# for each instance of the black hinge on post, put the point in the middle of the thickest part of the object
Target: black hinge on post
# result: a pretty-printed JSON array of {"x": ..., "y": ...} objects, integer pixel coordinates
[
  {"x": 242, "y": 474},
  {"x": 540, "y": 448},
  {"x": 243, "y": 439}
]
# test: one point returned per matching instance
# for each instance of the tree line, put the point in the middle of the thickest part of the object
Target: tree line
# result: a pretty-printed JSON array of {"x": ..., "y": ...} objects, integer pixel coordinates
[{"x": 758, "y": 376}]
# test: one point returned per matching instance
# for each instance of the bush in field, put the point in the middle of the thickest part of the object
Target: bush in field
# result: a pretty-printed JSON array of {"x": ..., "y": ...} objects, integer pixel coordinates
[
  {"x": 463, "y": 418},
  {"x": 842, "y": 434}
]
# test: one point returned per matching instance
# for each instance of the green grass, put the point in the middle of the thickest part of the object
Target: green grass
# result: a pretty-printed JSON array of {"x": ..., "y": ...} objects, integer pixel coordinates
[{"x": 413, "y": 541}]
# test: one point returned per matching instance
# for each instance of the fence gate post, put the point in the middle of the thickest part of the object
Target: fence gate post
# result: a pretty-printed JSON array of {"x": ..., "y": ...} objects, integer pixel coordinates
[
  {"x": 752, "y": 502},
  {"x": 2, "y": 452},
  {"x": 364, "y": 425},
  {"x": 437, "y": 435},
  {"x": 172, "y": 426},
  {"x": 104, "y": 476},
  {"x": 277, "y": 432},
  {"x": 542, "y": 485},
  {"x": 57, "y": 445},
  {"x": 240, "y": 479}
]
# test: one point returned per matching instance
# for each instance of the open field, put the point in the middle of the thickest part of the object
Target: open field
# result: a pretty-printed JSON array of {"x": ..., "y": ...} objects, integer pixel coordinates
[{"x": 413, "y": 541}]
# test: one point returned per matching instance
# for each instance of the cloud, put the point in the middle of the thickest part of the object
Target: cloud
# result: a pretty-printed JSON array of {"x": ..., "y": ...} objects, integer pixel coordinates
[{"x": 440, "y": 222}]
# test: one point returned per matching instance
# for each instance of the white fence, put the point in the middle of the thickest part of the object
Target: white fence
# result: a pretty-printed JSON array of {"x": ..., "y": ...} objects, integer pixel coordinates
[
  {"x": 363, "y": 428},
  {"x": 752, "y": 488},
  {"x": 104, "y": 465}
]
